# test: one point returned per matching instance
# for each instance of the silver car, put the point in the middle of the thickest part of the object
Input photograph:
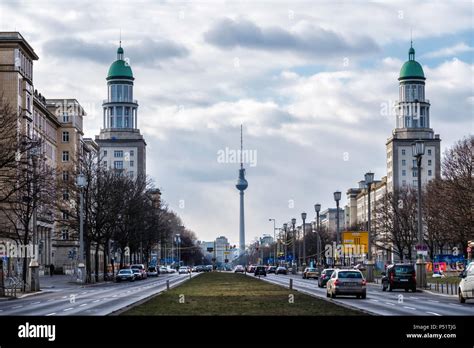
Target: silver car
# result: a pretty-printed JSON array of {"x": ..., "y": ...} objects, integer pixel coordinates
[{"x": 346, "y": 282}]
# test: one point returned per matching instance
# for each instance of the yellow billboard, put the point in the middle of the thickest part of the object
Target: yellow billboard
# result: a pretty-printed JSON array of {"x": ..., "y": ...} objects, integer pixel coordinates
[{"x": 355, "y": 242}]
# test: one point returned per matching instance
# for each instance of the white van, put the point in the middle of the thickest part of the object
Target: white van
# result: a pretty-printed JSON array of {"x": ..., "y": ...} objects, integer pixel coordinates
[{"x": 466, "y": 286}]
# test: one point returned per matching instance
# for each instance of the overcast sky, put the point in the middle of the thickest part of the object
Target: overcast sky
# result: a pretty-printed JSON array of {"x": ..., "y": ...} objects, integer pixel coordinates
[{"x": 310, "y": 81}]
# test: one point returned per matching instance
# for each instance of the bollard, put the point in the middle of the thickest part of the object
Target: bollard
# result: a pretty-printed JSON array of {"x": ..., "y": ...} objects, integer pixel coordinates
[
  {"x": 291, "y": 284},
  {"x": 167, "y": 284},
  {"x": 442, "y": 288},
  {"x": 447, "y": 287},
  {"x": 189, "y": 275},
  {"x": 452, "y": 289}
]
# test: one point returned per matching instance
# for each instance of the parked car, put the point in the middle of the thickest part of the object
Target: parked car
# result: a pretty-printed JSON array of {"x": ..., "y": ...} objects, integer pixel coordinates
[
  {"x": 239, "y": 269},
  {"x": 251, "y": 268},
  {"x": 466, "y": 286},
  {"x": 141, "y": 268},
  {"x": 208, "y": 268},
  {"x": 399, "y": 276},
  {"x": 260, "y": 270},
  {"x": 163, "y": 269},
  {"x": 170, "y": 269},
  {"x": 153, "y": 271},
  {"x": 325, "y": 275},
  {"x": 281, "y": 270},
  {"x": 310, "y": 272},
  {"x": 138, "y": 274},
  {"x": 184, "y": 270},
  {"x": 125, "y": 274},
  {"x": 346, "y": 282},
  {"x": 271, "y": 269}
]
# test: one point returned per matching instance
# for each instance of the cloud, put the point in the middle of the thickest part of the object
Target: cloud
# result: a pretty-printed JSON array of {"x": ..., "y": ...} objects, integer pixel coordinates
[
  {"x": 145, "y": 51},
  {"x": 449, "y": 51},
  {"x": 305, "y": 39}
]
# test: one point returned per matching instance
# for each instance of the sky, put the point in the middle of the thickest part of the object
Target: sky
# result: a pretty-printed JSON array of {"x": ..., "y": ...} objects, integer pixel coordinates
[{"x": 311, "y": 81}]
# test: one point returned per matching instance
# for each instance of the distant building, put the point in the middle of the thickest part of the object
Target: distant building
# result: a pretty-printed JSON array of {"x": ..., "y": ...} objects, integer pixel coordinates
[{"x": 328, "y": 220}]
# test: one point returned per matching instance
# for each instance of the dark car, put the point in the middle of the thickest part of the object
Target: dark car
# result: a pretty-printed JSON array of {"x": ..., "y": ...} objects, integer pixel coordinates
[
  {"x": 125, "y": 274},
  {"x": 325, "y": 275},
  {"x": 399, "y": 276},
  {"x": 208, "y": 268},
  {"x": 260, "y": 270},
  {"x": 271, "y": 269},
  {"x": 281, "y": 270},
  {"x": 153, "y": 271}
]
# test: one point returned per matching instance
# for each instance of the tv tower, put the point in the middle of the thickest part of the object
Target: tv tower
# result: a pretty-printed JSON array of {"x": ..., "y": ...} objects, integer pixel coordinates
[{"x": 241, "y": 186}]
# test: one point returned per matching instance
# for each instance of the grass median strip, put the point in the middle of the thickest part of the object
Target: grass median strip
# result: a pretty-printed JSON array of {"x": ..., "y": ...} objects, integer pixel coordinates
[{"x": 235, "y": 294}]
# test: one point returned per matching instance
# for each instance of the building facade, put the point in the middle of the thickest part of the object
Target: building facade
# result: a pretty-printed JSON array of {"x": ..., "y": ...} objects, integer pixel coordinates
[
  {"x": 121, "y": 145},
  {"x": 412, "y": 123}
]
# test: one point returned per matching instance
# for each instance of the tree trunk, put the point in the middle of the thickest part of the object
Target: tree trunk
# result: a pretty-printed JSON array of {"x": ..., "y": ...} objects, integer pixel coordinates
[
  {"x": 106, "y": 252},
  {"x": 96, "y": 258}
]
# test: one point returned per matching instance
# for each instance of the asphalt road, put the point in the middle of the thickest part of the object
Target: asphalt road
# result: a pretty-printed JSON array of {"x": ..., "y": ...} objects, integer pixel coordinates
[
  {"x": 378, "y": 302},
  {"x": 98, "y": 299}
]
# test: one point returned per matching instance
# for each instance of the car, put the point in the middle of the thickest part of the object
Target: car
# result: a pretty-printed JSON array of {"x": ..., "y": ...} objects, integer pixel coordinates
[
  {"x": 466, "y": 285},
  {"x": 310, "y": 272},
  {"x": 184, "y": 270},
  {"x": 271, "y": 269},
  {"x": 346, "y": 282},
  {"x": 125, "y": 274},
  {"x": 239, "y": 269},
  {"x": 170, "y": 269},
  {"x": 251, "y": 268},
  {"x": 260, "y": 270},
  {"x": 141, "y": 268},
  {"x": 399, "y": 276},
  {"x": 153, "y": 271},
  {"x": 208, "y": 268},
  {"x": 138, "y": 274},
  {"x": 324, "y": 277},
  {"x": 281, "y": 270},
  {"x": 163, "y": 269},
  {"x": 200, "y": 268}
]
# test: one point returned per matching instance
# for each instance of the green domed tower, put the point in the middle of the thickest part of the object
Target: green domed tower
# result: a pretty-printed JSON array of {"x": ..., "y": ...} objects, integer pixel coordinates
[{"x": 121, "y": 144}]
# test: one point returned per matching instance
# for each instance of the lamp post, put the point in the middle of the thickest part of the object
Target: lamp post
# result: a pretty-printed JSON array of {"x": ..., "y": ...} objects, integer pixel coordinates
[
  {"x": 293, "y": 223},
  {"x": 81, "y": 183},
  {"x": 337, "y": 198},
  {"x": 178, "y": 242},
  {"x": 285, "y": 227},
  {"x": 274, "y": 241},
  {"x": 34, "y": 262},
  {"x": 317, "y": 209},
  {"x": 303, "y": 216},
  {"x": 418, "y": 149},
  {"x": 369, "y": 179}
]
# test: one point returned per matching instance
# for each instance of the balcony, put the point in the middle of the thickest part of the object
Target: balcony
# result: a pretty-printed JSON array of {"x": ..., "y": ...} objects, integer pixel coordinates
[{"x": 129, "y": 101}]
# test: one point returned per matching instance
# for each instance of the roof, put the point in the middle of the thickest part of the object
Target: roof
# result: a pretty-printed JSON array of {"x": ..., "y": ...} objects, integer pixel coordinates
[
  {"x": 411, "y": 69},
  {"x": 120, "y": 68}
]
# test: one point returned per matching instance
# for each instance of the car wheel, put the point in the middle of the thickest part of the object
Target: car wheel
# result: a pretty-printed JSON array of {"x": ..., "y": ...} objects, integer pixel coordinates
[
  {"x": 364, "y": 296},
  {"x": 358, "y": 296},
  {"x": 461, "y": 298},
  {"x": 413, "y": 289}
]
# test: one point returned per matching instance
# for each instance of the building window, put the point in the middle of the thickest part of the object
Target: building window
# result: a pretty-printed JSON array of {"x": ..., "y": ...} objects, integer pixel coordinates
[
  {"x": 415, "y": 173},
  {"x": 404, "y": 162},
  {"x": 118, "y": 153},
  {"x": 64, "y": 234},
  {"x": 65, "y": 117},
  {"x": 131, "y": 163},
  {"x": 430, "y": 173},
  {"x": 429, "y": 152},
  {"x": 118, "y": 164},
  {"x": 65, "y": 137},
  {"x": 132, "y": 153},
  {"x": 404, "y": 182},
  {"x": 65, "y": 215},
  {"x": 66, "y": 195},
  {"x": 65, "y": 176},
  {"x": 414, "y": 164},
  {"x": 429, "y": 162},
  {"x": 404, "y": 172},
  {"x": 105, "y": 152},
  {"x": 131, "y": 173},
  {"x": 105, "y": 164},
  {"x": 403, "y": 152},
  {"x": 65, "y": 156}
]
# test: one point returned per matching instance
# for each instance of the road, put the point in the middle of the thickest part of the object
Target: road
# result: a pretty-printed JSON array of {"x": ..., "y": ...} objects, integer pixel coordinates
[
  {"x": 99, "y": 299},
  {"x": 378, "y": 302}
]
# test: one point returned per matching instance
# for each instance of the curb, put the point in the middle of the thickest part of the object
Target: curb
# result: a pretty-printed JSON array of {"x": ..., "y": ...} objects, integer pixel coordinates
[{"x": 438, "y": 294}]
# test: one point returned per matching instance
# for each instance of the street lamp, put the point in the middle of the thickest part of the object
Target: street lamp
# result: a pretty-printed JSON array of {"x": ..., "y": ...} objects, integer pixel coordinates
[
  {"x": 303, "y": 217},
  {"x": 369, "y": 179},
  {"x": 274, "y": 241},
  {"x": 285, "y": 227},
  {"x": 317, "y": 209},
  {"x": 34, "y": 263},
  {"x": 418, "y": 149},
  {"x": 337, "y": 198},
  {"x": 293, "y": 223},
  {"x": 178, "y": 242},
  {"x": 81, "y": 182}
]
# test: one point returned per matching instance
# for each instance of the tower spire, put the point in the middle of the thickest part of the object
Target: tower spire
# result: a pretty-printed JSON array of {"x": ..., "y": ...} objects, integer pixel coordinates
[
  {"x": 241, "y": 147},
  {"x": 120, "y": 38}
]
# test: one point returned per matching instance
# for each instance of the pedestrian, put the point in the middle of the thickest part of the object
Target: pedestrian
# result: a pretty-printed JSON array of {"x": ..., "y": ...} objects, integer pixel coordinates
[{"x": 51, "y": 270}]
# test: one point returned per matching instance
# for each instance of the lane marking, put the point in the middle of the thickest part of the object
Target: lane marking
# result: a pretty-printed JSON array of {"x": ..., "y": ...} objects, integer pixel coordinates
[
  {"x": 50, "y": 314},
  {"x": 391, "y": 304},
  {"x": 50, "y": 300},
  {"x": 374, "y": 300},
  {"x": 409, "y": 307},
  {"x": 84, "y": 292},
  {"x": 434, "y": 301},
  {"x": 17, "y": 307},
  {"x": 96, "y": 301},
  {"x": 68, "y": 309},
  {"x": 82, "y": 305},
  {"x": 35, "y": 303},
  {"x": 434, "y": 313},
  {"x": 64, "y": 297}
]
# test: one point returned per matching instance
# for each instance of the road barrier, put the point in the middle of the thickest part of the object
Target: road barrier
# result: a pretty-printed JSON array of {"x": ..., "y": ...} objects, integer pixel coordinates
[
  {"x": 291, "y": 284},
  {"x": 448, "y": 288},
  {"x": 167, "y": 284}
]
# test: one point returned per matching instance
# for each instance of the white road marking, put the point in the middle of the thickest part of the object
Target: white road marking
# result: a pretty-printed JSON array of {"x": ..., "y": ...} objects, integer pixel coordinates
[
  {"x": 374, "y": 300},
  {"x": 50, "y": 314},
  {"x": 17, "y": 307},
  {"x": 434, "y": 301},
  {"x": 64, "y": 297},
  {"x": 115, "y": 296},
  {"x": 413, "y": 298},
  {"x": 391, "y": 304},
  {"x": 84, "y": 292},
  {"x": 68, "y": 309},
  {"x": 36, "y": 303},
  {"x": 95, "y": 301},
  {"x": 82, "y": 305},
  {"x": 434, "y": 313},
  {"x": 409, "y": 307},
  {"x": 50, "y": 300}
]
